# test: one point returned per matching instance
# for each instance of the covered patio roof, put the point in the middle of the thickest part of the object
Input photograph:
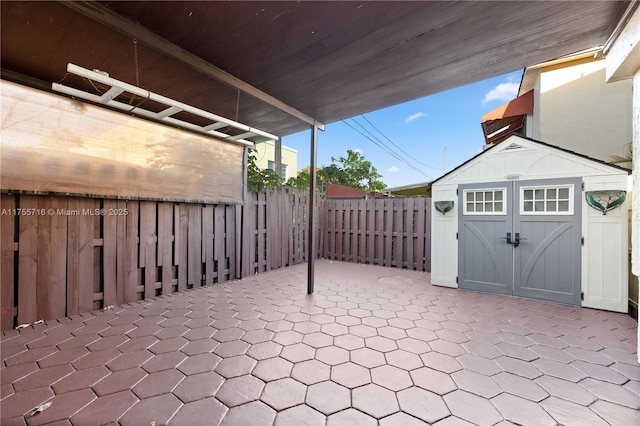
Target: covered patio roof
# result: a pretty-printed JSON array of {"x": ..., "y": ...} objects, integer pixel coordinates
[{"x": 283, "y": 66}]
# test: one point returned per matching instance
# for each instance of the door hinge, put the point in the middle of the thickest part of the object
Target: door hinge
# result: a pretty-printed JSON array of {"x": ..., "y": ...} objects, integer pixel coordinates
[
  {"x": 582, "y": 240},
  {"x": 582, "y": 295},
  {"x": 582, "y": 185},
  {"x": 456, "y": 280},
  {"x": 456, "y": 235},
  {"x": 457, "y": 191}
]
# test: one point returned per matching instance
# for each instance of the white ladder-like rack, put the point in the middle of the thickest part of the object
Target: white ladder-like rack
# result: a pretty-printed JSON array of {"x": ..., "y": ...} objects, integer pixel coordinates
[{"x": 173, "y": 107}]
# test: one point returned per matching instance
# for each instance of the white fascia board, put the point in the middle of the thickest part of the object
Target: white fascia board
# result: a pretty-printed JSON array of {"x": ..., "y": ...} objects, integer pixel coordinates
[{"x": 623, "y": 58}]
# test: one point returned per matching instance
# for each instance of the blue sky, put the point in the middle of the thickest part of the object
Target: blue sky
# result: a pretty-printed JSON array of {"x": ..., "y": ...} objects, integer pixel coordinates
[{"x": 417, "y": 131}]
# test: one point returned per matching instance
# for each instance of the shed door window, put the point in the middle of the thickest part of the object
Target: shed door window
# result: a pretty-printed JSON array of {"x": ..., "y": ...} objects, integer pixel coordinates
[
  {"x": 485, "y": 201},
  {"x": 546, "y": 200}
]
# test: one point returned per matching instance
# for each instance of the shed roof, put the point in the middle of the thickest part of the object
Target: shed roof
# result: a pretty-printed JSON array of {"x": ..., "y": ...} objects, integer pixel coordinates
[{"x": 514, "y": 138}]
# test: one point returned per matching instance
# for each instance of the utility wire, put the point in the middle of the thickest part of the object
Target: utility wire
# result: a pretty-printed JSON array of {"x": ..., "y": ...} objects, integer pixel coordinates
[
  {"x": 400, "y": 149},
  {"x": 381, "y": 144}
]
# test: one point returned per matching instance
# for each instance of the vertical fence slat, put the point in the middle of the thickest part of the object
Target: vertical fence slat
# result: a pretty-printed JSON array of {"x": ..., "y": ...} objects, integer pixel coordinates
[
  {"x": 409, "y": 209},
  {"x": 346, "y": 247},
  {"x": 121, "y": 251},
  {"x": 73, "y": 250},
  {"x": 208, "y": 237},
  {"x": 398, "y": 230},
  {"x": 353, "y": 233},
  {"x": 27, "y": 261},
  {"x": 362, "y": 231},
  {"x": 420, "y": 240},
  {"x": 86, "y": 256},
  {"x": 339, "y": 229},
  {"x": 247, "y": 233},
  {"x": 229, "y": 243},
  {"x": 270, "y": 229},
  {"x": 427, "y": 234},
  {"x": 132, "y": 240},
  {"x": 237, "y": 255},
  {"x": 261, "y": 253},
  {"x": 285, "y": 226},
  {"x": 378, "y": 214},
  {"x": 8, "y": 247},
  {"x": 43, "y": 264},
  {"x": 194, "y": 274},
  {"x": 220, "y": 252},
  {"x": 165, "y": 245},
  {"x": 322, "y": 225},
  {"x": 181, "y": 244},
  {"x": 371, "y": 231},
  {"x": 110, "y": 252},
  {"x": 148, "y": 239}
]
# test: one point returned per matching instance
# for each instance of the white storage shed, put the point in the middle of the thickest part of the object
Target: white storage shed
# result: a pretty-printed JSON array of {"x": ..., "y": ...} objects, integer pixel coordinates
[{"x": 528, "y": 219}]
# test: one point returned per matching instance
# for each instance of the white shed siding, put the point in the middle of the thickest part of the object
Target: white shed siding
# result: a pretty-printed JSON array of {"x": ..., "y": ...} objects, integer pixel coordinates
[
  {"x": 604, "y": 255},
  {"x": 444, "y": 265},
  {"x": 605, "y": 279}
]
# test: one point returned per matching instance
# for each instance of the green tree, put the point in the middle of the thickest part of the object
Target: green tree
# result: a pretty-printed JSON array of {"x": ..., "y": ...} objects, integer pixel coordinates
[
  {"x": 353, "y": 171},
  {"x": 259, "y": 180},
  {"x": 358, "y": 172},
  {"x": 301, "y": 181}
]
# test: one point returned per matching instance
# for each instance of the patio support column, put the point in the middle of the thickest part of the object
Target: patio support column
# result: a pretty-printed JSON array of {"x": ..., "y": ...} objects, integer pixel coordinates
[
  {"x": 311, "y": 240},
  {"x": 278, "y": 165}
]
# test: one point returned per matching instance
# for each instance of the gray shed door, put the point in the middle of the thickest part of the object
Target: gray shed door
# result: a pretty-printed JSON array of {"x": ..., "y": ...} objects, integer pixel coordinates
[{"x": 521, "y": 238}]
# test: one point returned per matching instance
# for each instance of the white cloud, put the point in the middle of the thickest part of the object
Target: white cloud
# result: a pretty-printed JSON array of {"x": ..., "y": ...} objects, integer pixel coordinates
[
  {"x": 502, "y": 92},
  {"x": 358, "y": 150},
  {"x": 393, "y": 169},
  {"x": 415, "y": 116}
]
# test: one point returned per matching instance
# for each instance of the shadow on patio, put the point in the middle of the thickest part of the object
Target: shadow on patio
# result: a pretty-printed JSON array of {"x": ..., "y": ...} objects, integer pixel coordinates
[{"x": 373, "y": 345}]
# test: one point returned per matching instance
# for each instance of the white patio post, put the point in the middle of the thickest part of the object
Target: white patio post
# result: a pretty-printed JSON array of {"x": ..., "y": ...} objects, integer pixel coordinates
[{"x": 623, "y": 62}]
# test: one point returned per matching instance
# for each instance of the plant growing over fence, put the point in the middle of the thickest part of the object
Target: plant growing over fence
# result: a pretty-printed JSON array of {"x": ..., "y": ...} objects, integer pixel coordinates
[
  {"x": 259, "y": 180},
  {"x": 353, "y": 171}
]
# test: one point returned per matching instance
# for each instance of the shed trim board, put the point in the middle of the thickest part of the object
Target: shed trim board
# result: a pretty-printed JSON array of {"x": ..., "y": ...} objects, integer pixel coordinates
[{"x": 599, "y": 267}]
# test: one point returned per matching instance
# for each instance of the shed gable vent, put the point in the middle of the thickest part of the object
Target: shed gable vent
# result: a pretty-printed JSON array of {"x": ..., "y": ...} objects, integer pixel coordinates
[{"x": 512, "y": 146}]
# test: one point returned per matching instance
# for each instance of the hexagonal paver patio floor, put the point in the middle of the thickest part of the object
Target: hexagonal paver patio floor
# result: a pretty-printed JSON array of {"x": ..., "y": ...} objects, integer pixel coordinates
[{"x": 373, "y": 345}]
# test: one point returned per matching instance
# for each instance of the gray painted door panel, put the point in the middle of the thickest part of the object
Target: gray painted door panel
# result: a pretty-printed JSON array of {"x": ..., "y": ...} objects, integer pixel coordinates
[
  {"x": 548, "y": 262},
  {"x": 485, "y": 260},
  {"x": 545, "y": 265}
]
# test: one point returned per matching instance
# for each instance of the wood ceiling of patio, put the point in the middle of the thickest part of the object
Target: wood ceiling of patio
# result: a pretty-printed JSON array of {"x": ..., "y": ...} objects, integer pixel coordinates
[{"x": 328, "y": 60}]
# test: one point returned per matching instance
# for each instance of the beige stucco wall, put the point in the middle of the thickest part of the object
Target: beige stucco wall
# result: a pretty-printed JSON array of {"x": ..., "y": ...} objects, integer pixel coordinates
[
  {"x": 578, "y": 110},
  {"x": 266, "y": 151}
]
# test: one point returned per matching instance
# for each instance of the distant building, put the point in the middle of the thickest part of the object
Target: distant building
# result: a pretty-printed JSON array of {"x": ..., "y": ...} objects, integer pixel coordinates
[
  {"x": 266, "y": 158},
  {"x": 335, "y": 191},
  {"x": 422, "y": 189},
  {"x": 567, "y": 102}
]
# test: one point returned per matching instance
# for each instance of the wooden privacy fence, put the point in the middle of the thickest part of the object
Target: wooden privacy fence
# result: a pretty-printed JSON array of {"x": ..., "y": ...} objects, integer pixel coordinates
[
  {"x": 274, "y": 232},
  {"x": 61, "y": 256},
  {"x": 389, "y": 232}
]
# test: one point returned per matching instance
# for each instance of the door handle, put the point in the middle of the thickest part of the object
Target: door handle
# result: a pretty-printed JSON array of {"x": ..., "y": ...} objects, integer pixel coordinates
[
  {"x": 517, "y": 239},
  {"x": 508, "y": 238}
]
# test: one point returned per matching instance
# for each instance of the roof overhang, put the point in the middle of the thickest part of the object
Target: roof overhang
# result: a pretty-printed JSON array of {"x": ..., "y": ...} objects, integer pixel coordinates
[
  {"x": 283, "y": 66},
  {"x": 507, "y": 119},
  {"x": 522, "y": 105}
]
